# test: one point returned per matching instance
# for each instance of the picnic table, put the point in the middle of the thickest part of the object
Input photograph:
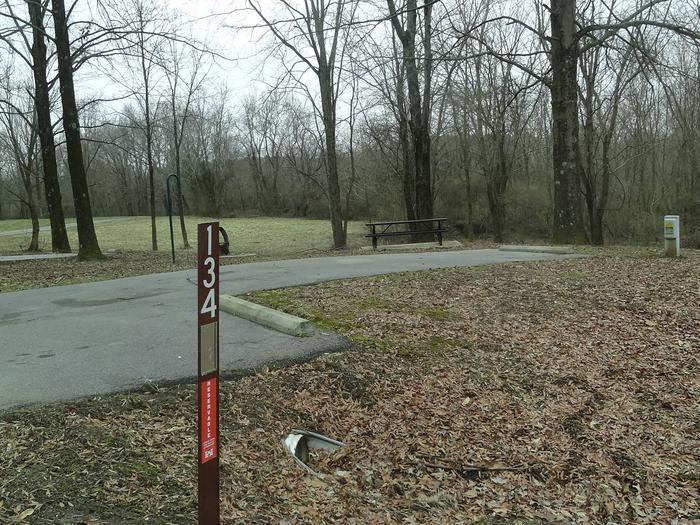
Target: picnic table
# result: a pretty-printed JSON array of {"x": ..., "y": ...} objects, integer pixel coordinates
[{"x": 414, "y": 227}]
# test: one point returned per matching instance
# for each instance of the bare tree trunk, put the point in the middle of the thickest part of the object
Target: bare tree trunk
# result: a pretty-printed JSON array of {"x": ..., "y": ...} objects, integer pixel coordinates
[
  {"x": 409, "y": 177},
  {"x": 329, "y": 127},
  {"x": 408, "y": 182},
  {"x": 567, "y": 205},
  {"x": 465, "y": 161},
  {"x": 149, "y": 133},
  {"x": 324, "y": 64},
  {"x": 496, "y": 186},
  {"x": 419, "y": 106},
  {"x": 418, "y": 103},
  {"x": 34, "y": 243},
  {"x": 424, "y": 182},
  {"x": 177, "y": 142},
  {"x": 351, "y": 151},
  {"x": 31, "y": 207},
  {"x": 495, "y": 192},
  {"x": 151, "y": 187},
  {"x": 42, "y": 104},
  {"x": 87, "y": 238},
  {"x": 470, "y": 200},
  {"x": 180, "y": 200},
  {"x": 597, "y": 236}
]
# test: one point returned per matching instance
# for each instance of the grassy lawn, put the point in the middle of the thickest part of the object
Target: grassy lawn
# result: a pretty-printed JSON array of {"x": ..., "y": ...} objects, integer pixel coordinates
[
  {"x": 263, "y": 236},
  {"x": 549, "y": 392},
  {"x": 7, "y": 225},
  {"x": 128, "y": 244}
]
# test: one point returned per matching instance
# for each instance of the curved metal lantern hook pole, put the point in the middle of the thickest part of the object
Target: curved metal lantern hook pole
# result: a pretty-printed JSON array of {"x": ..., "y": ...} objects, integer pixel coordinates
[
  {"x": 170, "y": 210},
  {"x": 224, "y": 247}
]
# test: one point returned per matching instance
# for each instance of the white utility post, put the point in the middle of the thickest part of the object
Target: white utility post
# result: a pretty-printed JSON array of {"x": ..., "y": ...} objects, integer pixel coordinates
[{"x": 672, "y": 235}]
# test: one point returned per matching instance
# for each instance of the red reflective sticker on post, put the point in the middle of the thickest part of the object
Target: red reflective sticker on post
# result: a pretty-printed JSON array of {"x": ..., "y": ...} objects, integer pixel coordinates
[{"x": 208, "y": 442}]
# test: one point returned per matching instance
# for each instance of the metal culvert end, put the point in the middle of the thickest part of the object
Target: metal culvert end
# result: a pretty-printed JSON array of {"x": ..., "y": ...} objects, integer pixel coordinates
[{"x": 298, "y": 443}]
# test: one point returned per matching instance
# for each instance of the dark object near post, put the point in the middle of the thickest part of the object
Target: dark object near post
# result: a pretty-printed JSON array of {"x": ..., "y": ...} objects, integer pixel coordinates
[
  {"x": 224, "y": 247},
  {"x": 170, "y": 209},
  {"x": 208, "y": 373},
  {"x": 425, "y": 224},
  {"x": 299, "y": 442}
]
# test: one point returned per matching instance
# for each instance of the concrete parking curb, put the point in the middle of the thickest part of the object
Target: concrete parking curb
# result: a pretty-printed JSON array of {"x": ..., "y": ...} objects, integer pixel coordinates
[
  {"x": 415, "y": 246},
  {"x": 558, "y": 250},
  {"x": 280, "y": 321}
]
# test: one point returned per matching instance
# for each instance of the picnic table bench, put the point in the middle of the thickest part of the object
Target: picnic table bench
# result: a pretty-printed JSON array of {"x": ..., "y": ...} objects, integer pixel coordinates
[{"x": 414, "y": 227}]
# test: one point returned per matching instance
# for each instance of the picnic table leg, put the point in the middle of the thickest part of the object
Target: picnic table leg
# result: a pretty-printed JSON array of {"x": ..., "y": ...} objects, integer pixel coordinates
[
  {"x": 440, "y": 233},
  {"x": 374, "y": 238}
]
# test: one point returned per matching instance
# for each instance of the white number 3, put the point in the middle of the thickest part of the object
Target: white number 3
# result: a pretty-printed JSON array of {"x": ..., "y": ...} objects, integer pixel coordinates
[
  {"x": 209, "y": 306},
  {"x": 209, "y": 261}
]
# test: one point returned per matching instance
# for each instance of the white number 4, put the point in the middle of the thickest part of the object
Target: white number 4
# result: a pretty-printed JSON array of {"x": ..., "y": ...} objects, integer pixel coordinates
[{"x": 209, "y": 306}]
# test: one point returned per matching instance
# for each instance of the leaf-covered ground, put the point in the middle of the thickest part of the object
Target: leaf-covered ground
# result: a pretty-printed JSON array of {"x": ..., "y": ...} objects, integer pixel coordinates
[{"x": 553, "y": 392}]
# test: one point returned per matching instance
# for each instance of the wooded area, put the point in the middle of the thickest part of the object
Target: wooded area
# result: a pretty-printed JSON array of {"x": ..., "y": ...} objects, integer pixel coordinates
[{"x": 563, "y": 120}]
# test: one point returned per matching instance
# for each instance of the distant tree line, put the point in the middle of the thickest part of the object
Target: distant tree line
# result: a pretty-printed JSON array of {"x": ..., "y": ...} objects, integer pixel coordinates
[{"x": 577, "y": 122}]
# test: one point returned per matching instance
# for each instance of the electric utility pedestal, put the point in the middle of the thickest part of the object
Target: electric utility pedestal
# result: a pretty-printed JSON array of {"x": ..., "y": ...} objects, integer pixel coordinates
[{"x": 672, "y": 235}]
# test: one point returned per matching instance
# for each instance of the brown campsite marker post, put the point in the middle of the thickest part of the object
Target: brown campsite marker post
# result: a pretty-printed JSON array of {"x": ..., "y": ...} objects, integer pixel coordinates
[{"x": 208, "y": 373}]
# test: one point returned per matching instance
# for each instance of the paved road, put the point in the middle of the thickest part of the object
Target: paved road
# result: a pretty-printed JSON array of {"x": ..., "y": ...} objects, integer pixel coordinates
[
  {"x": 36, "y": 257},
  {"x": 88, "y": 339}
]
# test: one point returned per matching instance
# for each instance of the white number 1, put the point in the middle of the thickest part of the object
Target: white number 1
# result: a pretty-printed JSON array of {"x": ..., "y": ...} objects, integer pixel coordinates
[{"x": 209, "y": 240}]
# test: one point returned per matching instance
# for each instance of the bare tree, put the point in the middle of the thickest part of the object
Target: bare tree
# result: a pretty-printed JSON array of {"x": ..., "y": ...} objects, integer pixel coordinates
[
  {"x": 20, "y": 139},
  {"x": 317, "y": 25},
  {"x": 404, "y": 24},
  {"x": 142, "y": 16},
  {"x": 263, "y": 140},
  {"x": 304, "y": 155},
  {"x": 208, "y": 160},
  {"x": 571, "y": 34},
  {"x": 87, "y": 238},
  {"x": 600, "y": 103},
  {"x": 386, "y": 77},
  {"x": 184, "y": 81},
  {"x": 461, "y": 119},
  {"x": 42, "y": 104},
  {"x": 563, "y": 55},
  {"x": 501, "y": 106},
  {"x": 35, "y": 57}
]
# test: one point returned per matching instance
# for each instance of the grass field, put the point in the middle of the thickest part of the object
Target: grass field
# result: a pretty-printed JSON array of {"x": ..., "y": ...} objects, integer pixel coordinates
[
  {"x": 19, "y": 224},
  {"x": 533, "y": 393},
  {"x": 127, "y": 243},
  {"x": 271, "y": 237}
]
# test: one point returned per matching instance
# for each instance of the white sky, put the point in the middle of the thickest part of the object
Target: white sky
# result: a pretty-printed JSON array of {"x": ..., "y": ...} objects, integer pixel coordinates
[
  {"x": 212, "y": 22},
  {"x": 245, "y": 67}
]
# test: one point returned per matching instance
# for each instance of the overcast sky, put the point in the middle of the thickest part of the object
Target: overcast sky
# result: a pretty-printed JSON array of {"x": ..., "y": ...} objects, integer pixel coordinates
[
  {"x": 217, "y": 23},
  {"x": 226, "y": 25}
]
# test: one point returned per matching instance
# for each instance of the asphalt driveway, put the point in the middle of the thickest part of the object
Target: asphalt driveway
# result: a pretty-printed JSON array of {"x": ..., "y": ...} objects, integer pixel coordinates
[{"x": 96, "y": 338}]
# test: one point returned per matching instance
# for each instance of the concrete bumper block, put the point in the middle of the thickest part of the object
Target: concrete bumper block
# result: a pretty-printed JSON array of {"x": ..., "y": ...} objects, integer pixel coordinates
[
  {"x": 280, "y": 321},
  {"x": 414, "y": 246},
  {"x": 558, "y": 250}
]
